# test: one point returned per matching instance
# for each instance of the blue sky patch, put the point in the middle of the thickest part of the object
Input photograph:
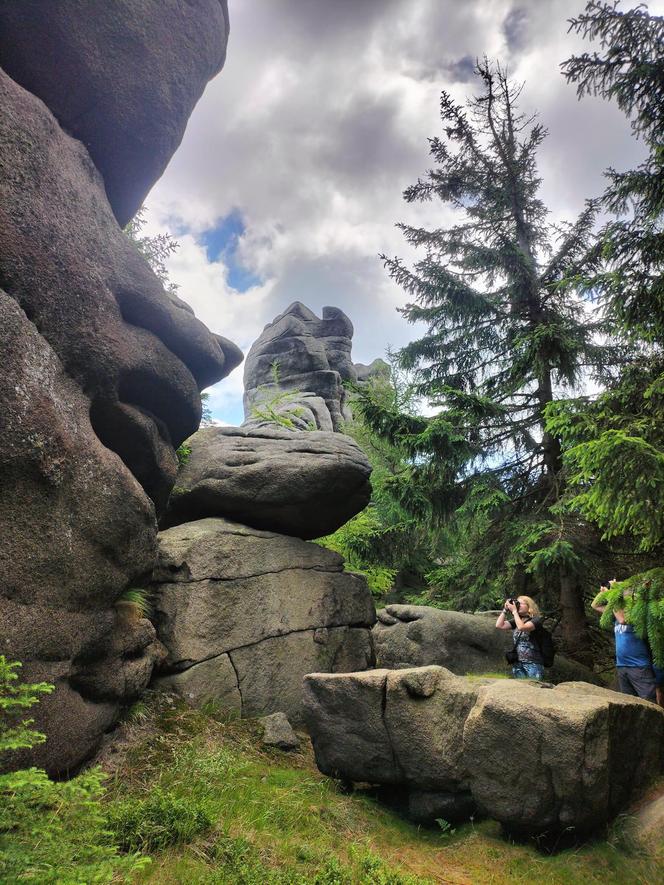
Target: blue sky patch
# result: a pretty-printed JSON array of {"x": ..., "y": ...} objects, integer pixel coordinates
[{"x": 221, "y": 245}]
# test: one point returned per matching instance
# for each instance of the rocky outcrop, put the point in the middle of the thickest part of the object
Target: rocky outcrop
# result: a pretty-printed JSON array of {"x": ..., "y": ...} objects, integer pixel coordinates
[
  {"x": 305, "y": 484},
  {"x": 419, "y": 635},
  {"x": 298, "y": 364},
  {"x": 536, "y": 759},
  {"x": 245, "y": 614},
  {"x": 101, "y": 367},
  {"x": 122, "y": 78}
]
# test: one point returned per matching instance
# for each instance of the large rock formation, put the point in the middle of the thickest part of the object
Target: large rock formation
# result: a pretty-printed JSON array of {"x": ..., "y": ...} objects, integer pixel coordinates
[
  {"x": 536, "y": 759},
  {"x": 298, "y": 483},
  {"x": 122, "y": 77},
  {"x": 299, "y": 364},
  {"x": 102, "y": 368},
  {"x": 419, "y": 635},
  {"x": 245, "y": 614}
]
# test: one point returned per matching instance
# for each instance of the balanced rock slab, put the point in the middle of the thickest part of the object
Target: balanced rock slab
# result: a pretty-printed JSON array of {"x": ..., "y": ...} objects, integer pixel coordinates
[
  {"x": 122, "y": 77},
  {"x": 269, "y": 608},
  {"x": 299, "y": 483}
]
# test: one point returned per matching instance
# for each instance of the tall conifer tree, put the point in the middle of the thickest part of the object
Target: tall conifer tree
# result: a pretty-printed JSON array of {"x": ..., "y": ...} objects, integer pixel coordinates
[
  {"x": 615, "y": 445},
  {"x": 503, "y": 339}
]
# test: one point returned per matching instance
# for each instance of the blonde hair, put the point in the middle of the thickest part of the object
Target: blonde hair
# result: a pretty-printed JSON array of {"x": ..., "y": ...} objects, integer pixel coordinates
[{"x": 533, "y": 608}]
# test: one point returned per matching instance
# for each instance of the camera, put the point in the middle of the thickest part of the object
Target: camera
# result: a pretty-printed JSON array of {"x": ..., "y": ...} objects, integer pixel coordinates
[{"x": 513, "y": 600}]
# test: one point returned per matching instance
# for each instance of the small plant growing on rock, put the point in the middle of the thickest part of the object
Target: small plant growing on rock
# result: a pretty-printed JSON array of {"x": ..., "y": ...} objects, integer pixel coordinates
[{"x": 134, "y": 604}]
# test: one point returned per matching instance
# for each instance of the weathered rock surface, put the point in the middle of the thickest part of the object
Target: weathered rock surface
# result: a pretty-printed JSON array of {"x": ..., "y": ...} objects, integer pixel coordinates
[
  {"x": 278, "y": 732},
  {"x": 122, "y": 77},
  {"x": 76, "y": 529},
  {"x": 101, "y": 372},
  {"x": 272, "y": 607},
  {"x": 589, "y": 752},
  {"x": 138, "y": 352},
  {"x": 310, "y": 358},
  {"x": 298, "y": 483},
  {"x": 537, "y": 759},
  {"x": 419, "y": 635},
  {"x": 399, "y": 727}
]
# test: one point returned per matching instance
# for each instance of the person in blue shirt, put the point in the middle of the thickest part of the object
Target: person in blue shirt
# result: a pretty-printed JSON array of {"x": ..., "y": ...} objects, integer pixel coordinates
[{"x": 633, "y": 659}]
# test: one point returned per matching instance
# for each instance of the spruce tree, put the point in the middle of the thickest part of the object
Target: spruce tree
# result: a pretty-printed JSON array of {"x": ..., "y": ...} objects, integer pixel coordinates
[
  {"x": 615, "y": 445},
  {"x": 504, "y": 339}
]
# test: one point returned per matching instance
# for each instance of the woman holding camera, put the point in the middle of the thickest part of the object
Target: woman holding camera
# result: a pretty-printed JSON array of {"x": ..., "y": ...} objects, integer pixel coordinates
[{"x": 525, "y": 657}]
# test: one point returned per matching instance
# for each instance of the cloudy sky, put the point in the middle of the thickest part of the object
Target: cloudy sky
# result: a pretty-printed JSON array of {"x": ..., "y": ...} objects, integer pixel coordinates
[{"x": 289, "y": 180}]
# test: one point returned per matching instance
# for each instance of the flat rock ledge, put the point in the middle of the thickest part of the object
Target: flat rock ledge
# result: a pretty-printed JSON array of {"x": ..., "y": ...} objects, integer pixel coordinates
[
  {"x": 539, "y": 760},
  {"x": 244, "y": 614}
]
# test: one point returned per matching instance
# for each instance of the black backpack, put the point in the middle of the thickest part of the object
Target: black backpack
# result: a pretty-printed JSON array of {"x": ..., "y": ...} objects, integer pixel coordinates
[{"x": 545, "y": 642}]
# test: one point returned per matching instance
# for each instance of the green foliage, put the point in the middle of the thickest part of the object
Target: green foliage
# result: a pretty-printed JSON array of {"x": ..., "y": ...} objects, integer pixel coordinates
[
  {"x": 183, "y": 453},
  {"x": 15, "y": 698},
  {"x": 641, "y": 597},
  {"x": 614, "y": 447},
  {"x": 628, "y": 261},
  {"x": 138, "y": 599},
  {"x": 50, "y": 832},
  {"x": 156, "y": 250},
  {"x": 280, "y": 407},
  {"x": 354, "y": 541},
  {"x": 56, "y": 832},
  {"x": 505, "y": 334},
  {"x": 159, "y": 820}
]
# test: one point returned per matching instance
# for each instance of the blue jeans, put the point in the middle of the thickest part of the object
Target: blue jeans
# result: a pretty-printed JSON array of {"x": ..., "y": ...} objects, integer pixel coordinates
[{"x": 527, "y": 671}]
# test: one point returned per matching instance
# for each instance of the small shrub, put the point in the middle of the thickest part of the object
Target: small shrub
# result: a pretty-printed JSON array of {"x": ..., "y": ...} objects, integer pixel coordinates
[
  {"x": 50, "y": 832},
  {"x": 159, "y": 820}
]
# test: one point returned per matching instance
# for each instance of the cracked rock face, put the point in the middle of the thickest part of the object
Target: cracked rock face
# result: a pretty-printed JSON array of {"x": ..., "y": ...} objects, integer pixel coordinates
[
  {"x": 298, "y": 364},
  {"x": 584, "y": 752},
  {"x": 419, "y": 635},
  {"x": 245, "y": 614},
  {"x": 299, "y": 483},
  {"x": 123, "y": 79}
]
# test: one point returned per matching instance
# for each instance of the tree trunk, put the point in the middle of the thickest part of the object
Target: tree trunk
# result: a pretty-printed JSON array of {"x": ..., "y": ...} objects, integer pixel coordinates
[{"x": 575, "y": 633}]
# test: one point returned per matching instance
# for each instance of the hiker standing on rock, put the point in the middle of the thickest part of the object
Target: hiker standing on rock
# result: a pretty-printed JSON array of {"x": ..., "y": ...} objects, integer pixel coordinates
[{"x": 526, "y": 656}]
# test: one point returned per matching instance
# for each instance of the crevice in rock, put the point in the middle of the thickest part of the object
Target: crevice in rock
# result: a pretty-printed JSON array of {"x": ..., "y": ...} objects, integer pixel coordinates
[
  {"x": 383, "y": 709},
  {"x": 307, "y": 568},
  {"x": 237, "y": 679},
  {"x": 177, "y": 668}
]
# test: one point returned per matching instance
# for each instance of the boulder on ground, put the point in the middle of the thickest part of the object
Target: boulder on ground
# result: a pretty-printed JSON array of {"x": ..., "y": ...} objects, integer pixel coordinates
[
  {"x": 399, "y": 727},
  {"x": 420, "y": 635},
  {"x": 271, "y": 607},
  {"x": 122, "y": 77},
  {"x": 278, "y": 732},
  {"x": 299, "y": 483},
  {"x": 298, "y": 365},
  {"x": 571, "y": 757},
  {"x": 538, "y": 759}
]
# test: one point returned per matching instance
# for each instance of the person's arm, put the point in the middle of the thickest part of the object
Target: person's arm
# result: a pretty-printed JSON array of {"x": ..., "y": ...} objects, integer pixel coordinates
[
  {"x": 596, "y": 606},
  {"x": 520, "y": 624},
  {"x": 502, "y": 623}
]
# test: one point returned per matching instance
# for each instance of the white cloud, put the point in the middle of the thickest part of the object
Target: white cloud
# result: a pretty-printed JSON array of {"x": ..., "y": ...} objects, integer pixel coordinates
[{"x": 318, "y": 122}]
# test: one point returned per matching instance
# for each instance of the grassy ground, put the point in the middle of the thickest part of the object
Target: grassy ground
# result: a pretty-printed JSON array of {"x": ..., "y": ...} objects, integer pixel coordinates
[{"x": 242, "y": 814}]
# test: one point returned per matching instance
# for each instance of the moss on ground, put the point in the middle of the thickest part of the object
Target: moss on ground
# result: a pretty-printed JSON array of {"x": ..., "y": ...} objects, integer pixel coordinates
[{"x": 259, "y": 816}]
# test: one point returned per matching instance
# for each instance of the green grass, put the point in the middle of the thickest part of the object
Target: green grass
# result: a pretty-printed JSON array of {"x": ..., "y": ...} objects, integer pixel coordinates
[{"x": 250, "y": 815}]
